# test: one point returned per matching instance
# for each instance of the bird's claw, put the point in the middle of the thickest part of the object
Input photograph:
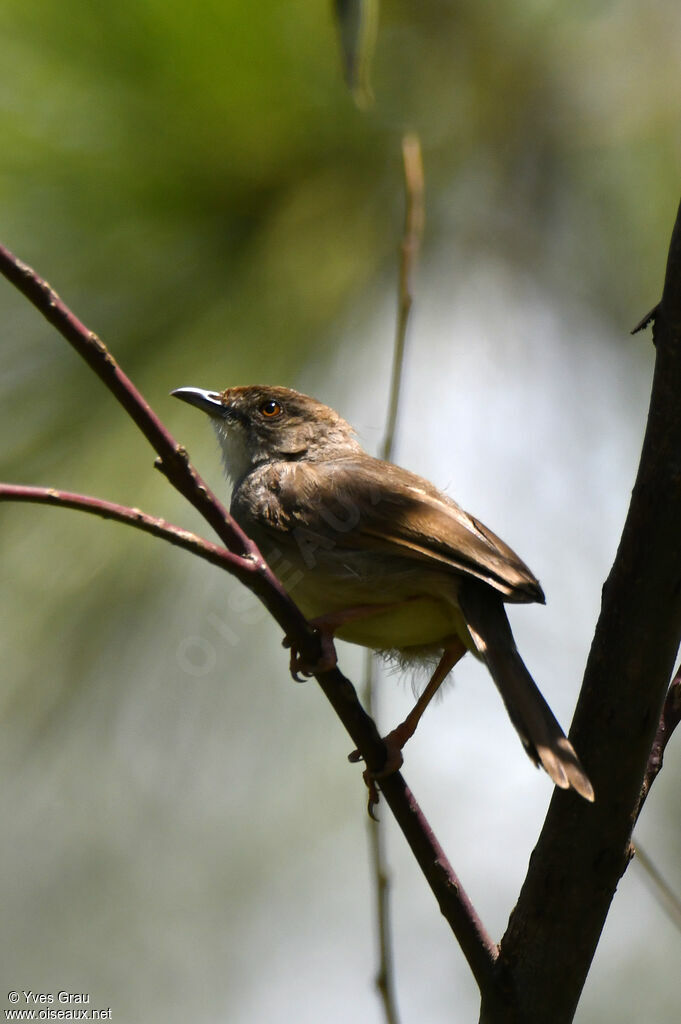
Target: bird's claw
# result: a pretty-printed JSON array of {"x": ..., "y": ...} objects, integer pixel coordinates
[
  {"x": 302, "y": 669},
  {"x": 393, "y": 762},
  {"x": 296, "y": 664},
  {"x": 373, "y": 799}
]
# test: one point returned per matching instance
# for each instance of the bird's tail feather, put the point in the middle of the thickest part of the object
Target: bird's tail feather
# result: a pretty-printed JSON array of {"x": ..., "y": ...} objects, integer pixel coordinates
[{"x": 533, "y": 719}]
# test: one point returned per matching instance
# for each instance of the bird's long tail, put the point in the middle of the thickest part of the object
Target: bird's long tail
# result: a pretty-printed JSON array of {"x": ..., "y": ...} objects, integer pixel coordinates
[{"x": 533, "y": 719}]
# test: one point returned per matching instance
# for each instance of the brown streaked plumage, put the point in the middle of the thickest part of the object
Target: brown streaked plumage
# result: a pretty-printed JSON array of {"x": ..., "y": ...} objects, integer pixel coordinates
[{"x": 381, "y": 557}]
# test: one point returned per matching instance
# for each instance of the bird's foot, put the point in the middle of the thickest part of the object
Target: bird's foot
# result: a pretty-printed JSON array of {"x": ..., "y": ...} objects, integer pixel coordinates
[
  {"x": 302, "y": 669},
  {"x": 393, "y": 742},
  {"x": 326, "y": 626}
]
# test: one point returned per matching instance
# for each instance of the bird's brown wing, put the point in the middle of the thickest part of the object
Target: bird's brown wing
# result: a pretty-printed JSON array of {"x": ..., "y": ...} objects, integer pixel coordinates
[{"x": 373, "y": 504}]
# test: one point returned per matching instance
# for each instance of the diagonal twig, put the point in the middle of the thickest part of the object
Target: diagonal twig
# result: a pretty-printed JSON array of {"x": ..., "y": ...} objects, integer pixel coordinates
[
  {"x": 664, "y": 895},
  {"x": 478, "y": 948},
  {"x": 173, "y": 459},
  {"x": 242, "y": 568}
]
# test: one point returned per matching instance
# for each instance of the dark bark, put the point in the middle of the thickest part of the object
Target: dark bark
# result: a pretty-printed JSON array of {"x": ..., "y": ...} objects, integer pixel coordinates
[{"x": 584, "y": 849}]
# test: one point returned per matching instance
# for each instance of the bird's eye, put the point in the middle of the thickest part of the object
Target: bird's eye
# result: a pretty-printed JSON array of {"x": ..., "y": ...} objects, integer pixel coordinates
[{"x": 270, "y": 409}]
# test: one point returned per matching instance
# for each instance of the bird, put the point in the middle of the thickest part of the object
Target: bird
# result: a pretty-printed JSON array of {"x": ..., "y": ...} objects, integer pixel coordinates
[{"x": 382, "y": 557}]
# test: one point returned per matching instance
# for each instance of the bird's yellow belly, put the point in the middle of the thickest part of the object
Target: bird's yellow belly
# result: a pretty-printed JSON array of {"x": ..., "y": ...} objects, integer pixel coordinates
[
  {"x": 401, "y": 619},
  {"x": 417, "y": 622}
]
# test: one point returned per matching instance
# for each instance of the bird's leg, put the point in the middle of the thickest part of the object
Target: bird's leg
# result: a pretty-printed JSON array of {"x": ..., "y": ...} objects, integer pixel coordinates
[
  {"x": 396, "y": 739},
  {"x": 452, "y": 653},
  {"x": 327, "y": 625}
]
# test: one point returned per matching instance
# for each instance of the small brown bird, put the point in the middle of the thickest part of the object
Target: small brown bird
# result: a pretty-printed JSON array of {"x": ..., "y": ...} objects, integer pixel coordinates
[{"x": 382, "y": 557}]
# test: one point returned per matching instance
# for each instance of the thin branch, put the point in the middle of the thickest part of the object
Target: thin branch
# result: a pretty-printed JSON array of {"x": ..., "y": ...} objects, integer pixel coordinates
[
  {"x": 649, "y": 318},
  {"x": 476, "y": 945},
  {"x": 243, "y": 568},
  {"x": 409, "y": 251},
  {"x": 414, "y": 221},
  {"x": 385, "y": 974},
  {"x": 661, "y": 889}
]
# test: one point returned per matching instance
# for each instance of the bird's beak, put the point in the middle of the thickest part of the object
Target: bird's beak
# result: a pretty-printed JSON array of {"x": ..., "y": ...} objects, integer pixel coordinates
[{"x": 207, "y": 401}]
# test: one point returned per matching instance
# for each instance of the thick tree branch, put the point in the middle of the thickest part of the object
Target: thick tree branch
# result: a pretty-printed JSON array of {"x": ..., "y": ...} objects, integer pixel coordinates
[
  {"x": 584, "y": 849},
  {"x": 476, "y": 945}
]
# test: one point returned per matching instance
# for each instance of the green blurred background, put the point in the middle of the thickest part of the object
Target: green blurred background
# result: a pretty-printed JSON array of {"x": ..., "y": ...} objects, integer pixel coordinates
[{"x": 183, "y": 839}]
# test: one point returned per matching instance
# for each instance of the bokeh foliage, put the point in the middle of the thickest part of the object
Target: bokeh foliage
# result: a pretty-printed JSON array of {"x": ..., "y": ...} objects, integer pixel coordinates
[{"x": 196, "y": 182}]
